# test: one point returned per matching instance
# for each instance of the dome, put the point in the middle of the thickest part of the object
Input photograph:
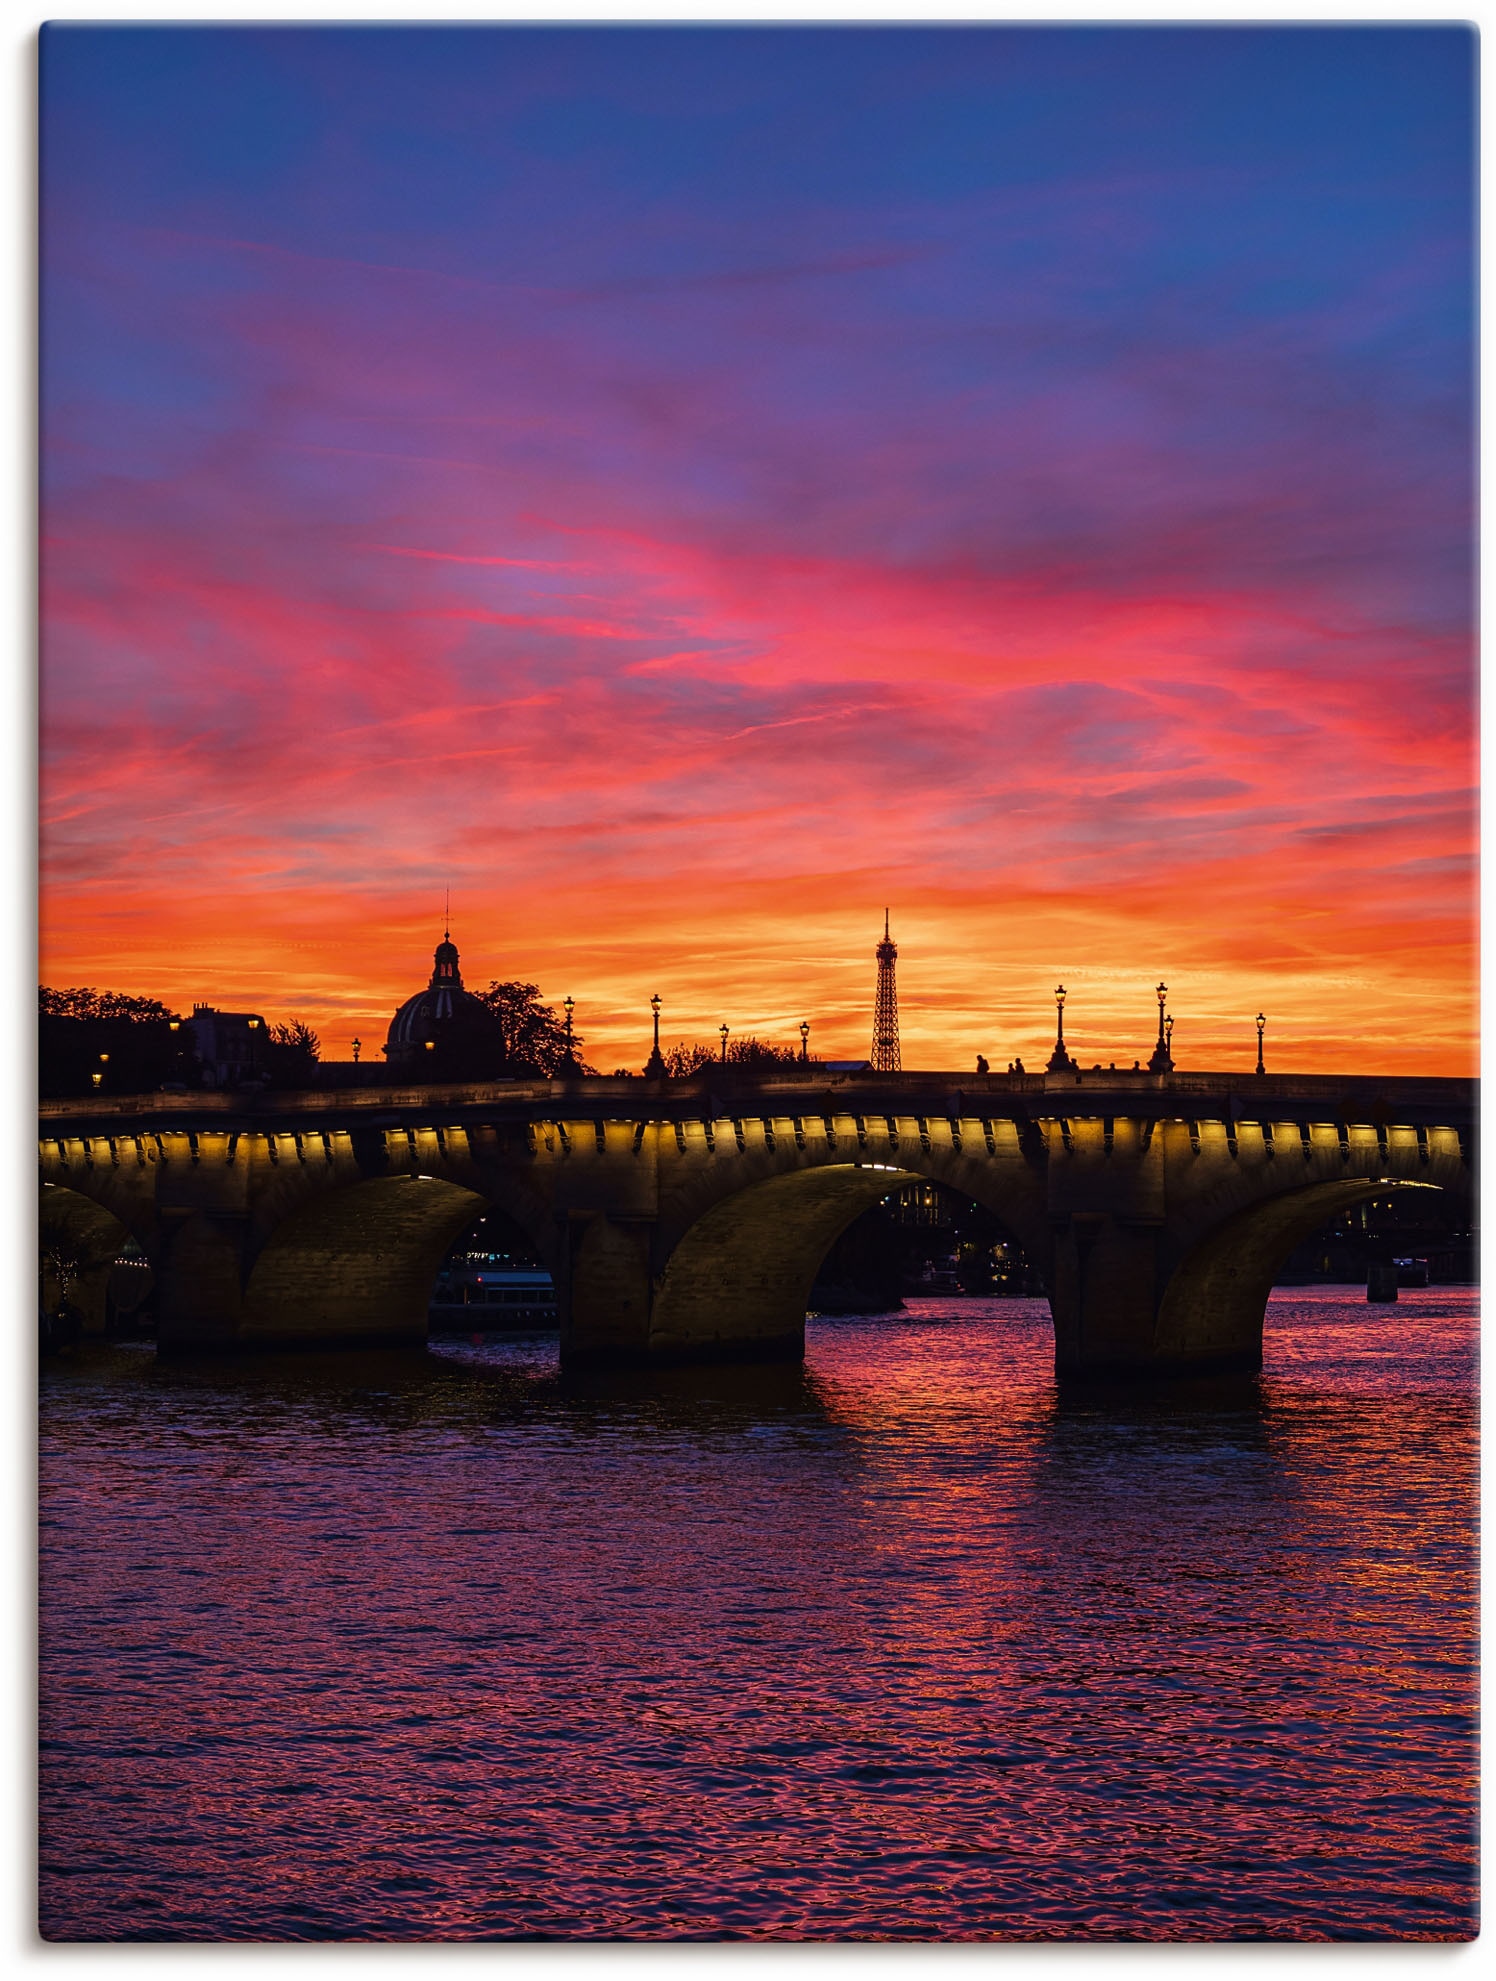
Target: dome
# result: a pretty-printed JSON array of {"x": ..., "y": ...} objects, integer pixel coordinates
[{"x": 444, "y": 1029}]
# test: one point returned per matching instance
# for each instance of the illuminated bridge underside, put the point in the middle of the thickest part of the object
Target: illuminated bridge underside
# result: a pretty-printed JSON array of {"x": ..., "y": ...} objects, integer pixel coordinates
[{"x": 685, "y": 1220}]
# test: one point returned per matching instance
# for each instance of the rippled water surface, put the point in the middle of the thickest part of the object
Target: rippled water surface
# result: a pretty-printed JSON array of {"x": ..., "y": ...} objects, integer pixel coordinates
[{"x": 901, "y": 1645}]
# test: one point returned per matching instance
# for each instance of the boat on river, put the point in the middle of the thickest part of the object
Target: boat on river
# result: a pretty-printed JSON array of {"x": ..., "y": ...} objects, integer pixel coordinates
[{"x": 485, "y": 1299}]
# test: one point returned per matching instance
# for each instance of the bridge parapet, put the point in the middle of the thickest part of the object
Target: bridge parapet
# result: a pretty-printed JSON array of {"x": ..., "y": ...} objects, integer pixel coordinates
[{"x": 710, "y": 1095}]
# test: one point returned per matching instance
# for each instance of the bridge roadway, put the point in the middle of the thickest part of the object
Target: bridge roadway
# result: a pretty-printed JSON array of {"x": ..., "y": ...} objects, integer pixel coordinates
[{"x": 685, "y": 1219}]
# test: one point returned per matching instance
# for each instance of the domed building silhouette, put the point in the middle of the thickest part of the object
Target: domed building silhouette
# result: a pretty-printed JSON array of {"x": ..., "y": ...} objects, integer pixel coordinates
[{"x": 444, "y": 1031}]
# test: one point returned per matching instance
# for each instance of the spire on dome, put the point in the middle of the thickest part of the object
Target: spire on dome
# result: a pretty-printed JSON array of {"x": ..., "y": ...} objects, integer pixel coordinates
[{"x": 446, "y": 968}]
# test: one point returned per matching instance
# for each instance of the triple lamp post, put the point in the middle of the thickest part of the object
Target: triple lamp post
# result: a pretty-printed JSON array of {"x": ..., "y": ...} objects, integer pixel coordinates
[{"x": 1163, "y": 1059}]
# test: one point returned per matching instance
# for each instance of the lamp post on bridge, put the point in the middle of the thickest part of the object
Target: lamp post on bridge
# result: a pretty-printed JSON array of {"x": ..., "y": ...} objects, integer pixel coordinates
[
  {"x": 655, "y": 1066},
  {"x": 804, "y": 1041},
  {"x": 1160, "y": 1061},
  {"x": 358, "y": 1046},
  {"x": 567, "y": 1063},
  {"x": 1169, "y": 1041},
  {"x": 1059, "y": 1060},
  {"x": 723, "y": 1030},
  {"x": 1261, "y": 1022}
]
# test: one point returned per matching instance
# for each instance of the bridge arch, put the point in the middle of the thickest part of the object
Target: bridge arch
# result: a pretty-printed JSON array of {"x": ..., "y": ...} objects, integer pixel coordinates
[
  {"x": 356, "y": 1263},
  {"x": 733, "y": 1275},
  {"x": 1215, "y": 1301},
  {"x": 1006, "y": 1184},
  {"x": 80, "y": 1239},
  {"x": 743, "y": 1271}
]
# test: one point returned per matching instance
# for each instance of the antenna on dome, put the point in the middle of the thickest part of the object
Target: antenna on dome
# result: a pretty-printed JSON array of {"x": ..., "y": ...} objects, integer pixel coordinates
[{"x": 447, "y": 917}]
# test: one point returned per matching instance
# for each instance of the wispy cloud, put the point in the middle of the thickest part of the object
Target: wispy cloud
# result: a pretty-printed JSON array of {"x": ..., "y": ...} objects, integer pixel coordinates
[{"x": 681, "y": 554}]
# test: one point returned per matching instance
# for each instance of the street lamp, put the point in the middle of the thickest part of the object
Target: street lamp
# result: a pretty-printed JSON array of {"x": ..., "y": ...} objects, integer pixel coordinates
[
  {"x": 1059, "y": 1060},
  {"x": 723, "y": 1030},
  {"x": 570, "y": 1005},
  {"x": 804, "y": 1040},
  {"x": 358, "y": 1046},
  {"x": 1261, "y": 1022},
  {"x": 1169, "y": 1042},
  {"x": 656, "y": 1065}
]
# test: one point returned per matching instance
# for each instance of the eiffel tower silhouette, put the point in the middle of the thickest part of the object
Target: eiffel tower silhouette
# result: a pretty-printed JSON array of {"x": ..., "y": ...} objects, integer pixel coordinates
[{"x": 886, "y": 1007}]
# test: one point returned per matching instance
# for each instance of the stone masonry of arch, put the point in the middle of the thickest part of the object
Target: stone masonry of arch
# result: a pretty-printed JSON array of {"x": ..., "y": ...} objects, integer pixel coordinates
[{"x": 686, "y": 1219}]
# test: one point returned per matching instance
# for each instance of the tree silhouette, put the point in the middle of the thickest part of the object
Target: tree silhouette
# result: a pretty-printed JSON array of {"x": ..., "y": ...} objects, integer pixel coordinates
[
  {"x": 106, "y": 1005},
  {"x": 746, "y": 1055},
  {"x": 534, "y": 1037},
  {"x": 293, "y": 1051},
  {"x": 129, "y": 1042},
  {"x": 682, "y": 1060}
]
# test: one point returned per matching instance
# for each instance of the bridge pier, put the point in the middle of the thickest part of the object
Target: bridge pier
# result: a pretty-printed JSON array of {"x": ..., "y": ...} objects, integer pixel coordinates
[
  {"x": 198, "y": 1261},
  {"x": 604, "y": 1290},
  {"x": 1105, "y": 1290}
]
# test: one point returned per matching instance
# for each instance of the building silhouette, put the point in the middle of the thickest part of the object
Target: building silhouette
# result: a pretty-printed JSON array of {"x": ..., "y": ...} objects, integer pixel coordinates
[
  {"x": 231, "y": 1046},
  {"x": 444, "y": 1029}
]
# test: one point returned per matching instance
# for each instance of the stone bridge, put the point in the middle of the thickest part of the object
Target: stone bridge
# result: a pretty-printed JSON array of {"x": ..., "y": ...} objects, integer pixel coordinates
[{"x": 685, "y": 1219}]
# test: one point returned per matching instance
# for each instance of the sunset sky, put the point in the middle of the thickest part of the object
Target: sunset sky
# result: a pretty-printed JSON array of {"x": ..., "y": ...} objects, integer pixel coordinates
[{"x": 685, "y": 491}]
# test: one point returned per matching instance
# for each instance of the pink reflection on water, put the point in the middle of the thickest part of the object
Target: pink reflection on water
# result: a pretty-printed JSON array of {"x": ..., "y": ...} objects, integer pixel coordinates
[{"x": 905, "y": 1645}]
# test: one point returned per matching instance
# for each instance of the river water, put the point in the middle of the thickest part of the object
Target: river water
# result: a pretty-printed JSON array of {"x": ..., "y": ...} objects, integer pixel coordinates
[{"x": 899, "y": 1646}]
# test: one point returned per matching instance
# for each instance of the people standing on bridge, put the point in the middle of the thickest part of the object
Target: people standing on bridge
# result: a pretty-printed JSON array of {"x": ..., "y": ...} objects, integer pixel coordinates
[{"x": 982, "y": 1066}]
